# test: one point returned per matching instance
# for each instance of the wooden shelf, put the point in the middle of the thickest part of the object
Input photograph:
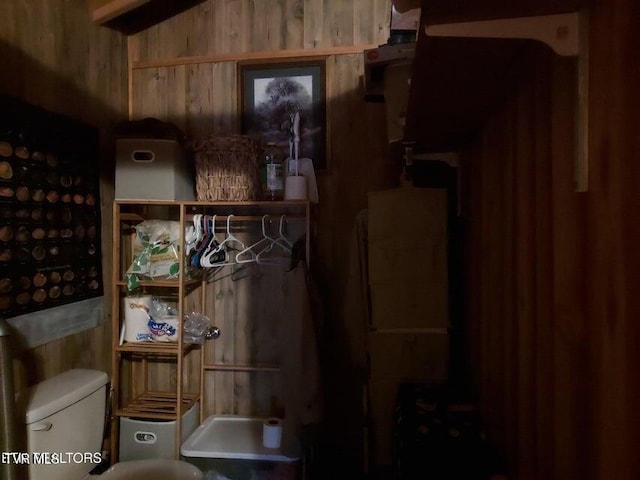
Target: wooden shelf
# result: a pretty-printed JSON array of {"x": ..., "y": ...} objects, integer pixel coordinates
[
  {"x": 158, "y": 405},
  {"x": 162, "y": 283},
  {"x": 154, "y": 348},
  {"x": 241, "y": 368}
]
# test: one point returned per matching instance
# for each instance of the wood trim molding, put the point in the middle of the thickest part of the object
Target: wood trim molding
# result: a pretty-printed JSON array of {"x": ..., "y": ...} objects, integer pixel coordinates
[{"x": 243, "y": 56}]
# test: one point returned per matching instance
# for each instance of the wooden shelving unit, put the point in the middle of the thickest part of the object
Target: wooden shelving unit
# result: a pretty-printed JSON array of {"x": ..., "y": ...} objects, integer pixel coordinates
[
  {"x": 158, "y": 405},
  {"x": 135, "y": 392}
]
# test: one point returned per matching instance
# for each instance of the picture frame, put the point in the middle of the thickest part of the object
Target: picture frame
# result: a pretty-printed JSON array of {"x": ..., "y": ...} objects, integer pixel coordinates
[{"x": 270, "y": 91}]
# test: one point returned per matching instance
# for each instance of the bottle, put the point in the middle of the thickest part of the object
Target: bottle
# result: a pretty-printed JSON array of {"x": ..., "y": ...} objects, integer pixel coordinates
[{"x": 272, "y": 173}]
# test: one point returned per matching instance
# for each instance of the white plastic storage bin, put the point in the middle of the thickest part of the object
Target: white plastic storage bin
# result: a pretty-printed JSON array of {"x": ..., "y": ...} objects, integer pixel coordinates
[
  {"x": 229, "y": 447},
  {"x": 143, "y": 439},
  {"x": 153, "y": 169}
]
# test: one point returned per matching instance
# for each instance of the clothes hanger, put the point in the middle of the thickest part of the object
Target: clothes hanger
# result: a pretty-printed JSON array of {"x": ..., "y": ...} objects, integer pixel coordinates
[
  {"x": 201, "y": 246},
  {"x": 229, "y": 239},
  {"x": 282, "y": 240},
  {"x": 250, "y": 250},
  {"x": 213, "y": 254},
  {"x": 279, "y": 259},
  {"x": 191, "y": 236}
]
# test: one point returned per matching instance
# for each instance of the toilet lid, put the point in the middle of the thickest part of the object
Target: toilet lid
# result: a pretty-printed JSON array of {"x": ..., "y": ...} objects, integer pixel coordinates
[{"x": 156, "y": 469}]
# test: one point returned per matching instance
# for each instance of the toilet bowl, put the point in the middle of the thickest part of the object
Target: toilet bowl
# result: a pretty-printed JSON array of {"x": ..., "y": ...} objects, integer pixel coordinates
[
  {"x": 152, "y": 470},
  {"x": 65, "y": 420}
]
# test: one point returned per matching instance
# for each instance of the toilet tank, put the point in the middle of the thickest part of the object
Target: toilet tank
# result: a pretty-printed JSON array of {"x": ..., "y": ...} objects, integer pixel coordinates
[{"x": 65, "y": 422}]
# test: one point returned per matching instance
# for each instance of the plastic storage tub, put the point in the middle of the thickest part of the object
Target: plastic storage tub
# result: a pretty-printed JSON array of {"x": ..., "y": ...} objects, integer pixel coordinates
[
  {"x": 145, "y": 439},
  {"x": 229, "y": 447},
  {"x": 150, "y": 169}
]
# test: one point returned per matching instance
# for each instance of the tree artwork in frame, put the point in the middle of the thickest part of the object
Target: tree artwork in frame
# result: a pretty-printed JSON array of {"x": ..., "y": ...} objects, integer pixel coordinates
[{"x": 271, "y": 92}]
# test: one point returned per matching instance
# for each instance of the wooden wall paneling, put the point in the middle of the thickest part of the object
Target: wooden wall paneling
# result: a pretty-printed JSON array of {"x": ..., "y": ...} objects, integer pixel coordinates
[
  {"x": 199, "y": 111},
  {"x": 628, "y": 142},
  {"x": 341, "y": 196},
  {"x": 471, "y": 211},
  {"x": 491, "y": 273},
  {"x": 363, "y": 22},
  {"x": 192, "y": 362},
  {"x": 203, "y": 28},
  {"x": 224, "y": 349},
  {"x": 314, "y": 21},
  {"x": 161, "y": 93},
  {"x": 611, "y": 203},
  {"x": 174, "y": 96},
  {"x": 608, "y": 299},
  {"x": 233, "y": 30},
  {"x": 338, "y": 23},
  {"x": 268, "y": 27},
  {"x": 145, "y": 93},
  {"x": 211, "y": 105},
  {"x": 525, "y": 294},
  {"x": 225, "y": 98},
  {"x": 208, "y": 355},
  {"x": 507, "y": 332},
  {"x": 571, "y": 364},
  {"x": 245, "y": 315},
  {"x": 248, "y": 320},
  {"x": 293, "y": 25},
  {"x": 543, "y": 261}
]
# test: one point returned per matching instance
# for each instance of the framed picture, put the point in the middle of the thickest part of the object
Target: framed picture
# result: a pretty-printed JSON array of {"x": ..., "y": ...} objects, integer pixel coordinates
[{"x": 269, "y": 95}]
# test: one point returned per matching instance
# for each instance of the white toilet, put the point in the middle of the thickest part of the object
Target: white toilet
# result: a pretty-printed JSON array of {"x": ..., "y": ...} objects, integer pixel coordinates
[{"x": 65, "y": 422}]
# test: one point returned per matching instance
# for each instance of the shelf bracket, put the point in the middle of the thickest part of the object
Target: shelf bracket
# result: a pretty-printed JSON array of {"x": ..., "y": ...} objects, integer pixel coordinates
[{"x": 567, "y": 34}]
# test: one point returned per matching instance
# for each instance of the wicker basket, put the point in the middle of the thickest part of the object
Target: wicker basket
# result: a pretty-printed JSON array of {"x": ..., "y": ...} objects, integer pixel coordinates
[{"x": 226, "y": 168}]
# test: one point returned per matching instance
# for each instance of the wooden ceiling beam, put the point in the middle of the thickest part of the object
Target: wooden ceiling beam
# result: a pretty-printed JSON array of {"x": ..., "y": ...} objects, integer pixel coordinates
[
  {"x": 102, "y": 11},
  {"x": 406, "y": 5}
]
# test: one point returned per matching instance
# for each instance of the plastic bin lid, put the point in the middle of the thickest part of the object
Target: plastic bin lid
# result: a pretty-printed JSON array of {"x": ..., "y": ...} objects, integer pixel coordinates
[
  {"x": 61, "y": 391},
  {"x": 231, "y": 437}
]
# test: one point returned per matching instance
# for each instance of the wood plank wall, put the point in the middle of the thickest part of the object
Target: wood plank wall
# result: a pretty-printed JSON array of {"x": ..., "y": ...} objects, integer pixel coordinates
[
  {"x": 201, "y": 99},
  {"x": 53, "y": 56},
  {"x": 551, "y": 278}
]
